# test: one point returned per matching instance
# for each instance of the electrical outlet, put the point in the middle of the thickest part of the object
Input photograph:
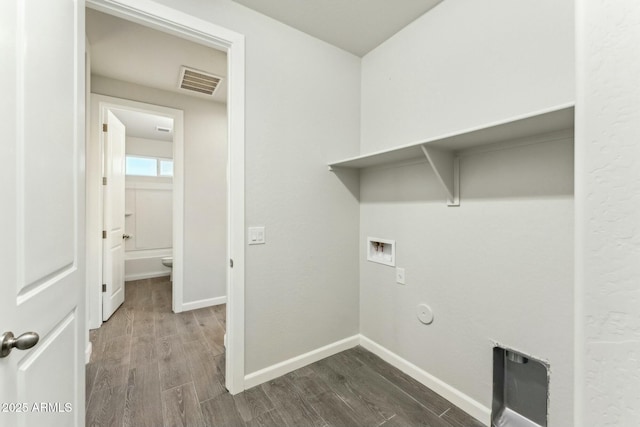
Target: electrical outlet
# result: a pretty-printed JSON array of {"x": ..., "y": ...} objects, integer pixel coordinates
[{"x": 400, "y": 276}]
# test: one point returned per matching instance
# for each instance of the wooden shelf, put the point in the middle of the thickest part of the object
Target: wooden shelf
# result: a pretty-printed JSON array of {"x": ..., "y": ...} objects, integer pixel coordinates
[
  {"x": 441, "y": 152},
  {"x": 547, "y": 121}
]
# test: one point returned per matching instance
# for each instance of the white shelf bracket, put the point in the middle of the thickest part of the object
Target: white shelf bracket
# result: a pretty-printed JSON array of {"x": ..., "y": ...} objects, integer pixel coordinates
[{"x": 446, "y": 166}]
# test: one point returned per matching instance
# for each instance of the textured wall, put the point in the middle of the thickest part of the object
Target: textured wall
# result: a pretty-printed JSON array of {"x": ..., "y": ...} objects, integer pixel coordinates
[{"x": 608, "y": 213}]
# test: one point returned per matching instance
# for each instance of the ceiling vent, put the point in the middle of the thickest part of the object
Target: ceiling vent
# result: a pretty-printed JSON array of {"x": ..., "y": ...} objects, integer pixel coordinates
[{"x": 198, "y": 81}]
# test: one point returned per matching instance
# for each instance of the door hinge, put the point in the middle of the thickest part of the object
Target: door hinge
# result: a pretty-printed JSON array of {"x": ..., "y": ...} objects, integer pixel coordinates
[
  {"x": 104, "y": 180},
  {"x": 105, "y": 127},
  {"x": 104, "y": 234},
  {"x": 231, "y": 263},
  {"x": 104, "y": 287}
]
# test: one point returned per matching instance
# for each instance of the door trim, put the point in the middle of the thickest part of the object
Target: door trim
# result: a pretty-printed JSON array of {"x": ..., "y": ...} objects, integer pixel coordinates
[
  {"x": 180, "y": 24},
  {"x": 100, "y": 104}
]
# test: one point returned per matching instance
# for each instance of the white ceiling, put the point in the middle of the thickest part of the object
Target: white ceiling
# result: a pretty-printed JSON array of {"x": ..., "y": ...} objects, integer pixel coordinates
[
  {"x": 130, "y": 52},
  {"x": 356, "y": 26},
  {"x": 143, "y": 125}
]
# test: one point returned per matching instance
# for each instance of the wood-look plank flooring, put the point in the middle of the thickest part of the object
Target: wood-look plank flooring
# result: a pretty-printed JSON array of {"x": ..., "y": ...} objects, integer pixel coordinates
[{"x": 153, "y": 368}]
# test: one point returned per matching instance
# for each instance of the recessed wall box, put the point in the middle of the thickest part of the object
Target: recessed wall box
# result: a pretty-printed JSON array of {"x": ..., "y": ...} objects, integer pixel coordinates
[
  {"x": 382, "y": 251},
  {"x": 520, "y": 390}
]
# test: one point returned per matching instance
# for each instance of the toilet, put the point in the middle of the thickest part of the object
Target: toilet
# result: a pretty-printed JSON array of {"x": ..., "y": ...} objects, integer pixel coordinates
[{"x": 168, "y": 262}]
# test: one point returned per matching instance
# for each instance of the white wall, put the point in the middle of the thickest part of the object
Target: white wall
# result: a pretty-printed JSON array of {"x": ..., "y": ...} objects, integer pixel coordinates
[
  {"x": 496, "y": 269},
  {"x": 466, "y": 63},
  {"x": 499, "y": 267},
  {"x": 149, "y": 222},
  {"x": 149, "y": 216},
  {"x": 148, "y": 213},
  {"x": 441, "y": 74},
  {"x": 302, "y": 110},
  {"x": 205, "y": 151},
  {"x": 608, "y": 213},
  {"x": 149, "y": 147}
]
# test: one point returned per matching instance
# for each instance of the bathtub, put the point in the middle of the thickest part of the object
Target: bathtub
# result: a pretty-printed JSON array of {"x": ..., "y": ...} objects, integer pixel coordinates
[{"x": 146, "y": 264}]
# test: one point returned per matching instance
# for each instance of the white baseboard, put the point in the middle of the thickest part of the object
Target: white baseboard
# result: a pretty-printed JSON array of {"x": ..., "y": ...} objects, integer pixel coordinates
[
  {"x": 282, "y": 368},
  {"x": 149, "y": 275},
  {"x": 455, "y": 396},
  {"x": 87, "y": 352},
  {"x": 208, "y": 302}
]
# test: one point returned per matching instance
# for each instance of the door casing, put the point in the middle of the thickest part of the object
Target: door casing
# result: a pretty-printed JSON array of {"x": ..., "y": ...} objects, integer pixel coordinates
[
  {"x": 99, "y": 106},
  {"x": 177, "y": 23}
]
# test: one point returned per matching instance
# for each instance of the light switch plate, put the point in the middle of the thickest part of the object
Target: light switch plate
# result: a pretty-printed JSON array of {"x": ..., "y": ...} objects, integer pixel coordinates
[
  {"x": 256, "y": 236},
  {"x": 400, "y": 276}
]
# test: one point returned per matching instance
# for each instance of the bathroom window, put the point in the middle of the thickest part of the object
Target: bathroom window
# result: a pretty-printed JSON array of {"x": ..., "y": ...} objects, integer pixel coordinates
[
  {"x": 148, "y": 166},
  {"x": 141, "y": 166},
  {"x": 166, "y": 167}
]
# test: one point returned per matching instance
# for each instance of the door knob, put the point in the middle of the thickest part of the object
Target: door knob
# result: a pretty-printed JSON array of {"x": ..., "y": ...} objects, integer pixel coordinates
[
  {"x": 24, "y": 342},
  {"x": 126, "y": 236}
]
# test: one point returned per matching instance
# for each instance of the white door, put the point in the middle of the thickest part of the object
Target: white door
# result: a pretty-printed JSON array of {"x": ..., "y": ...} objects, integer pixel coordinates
[
  {"x": 114, "y": 236},
  {"x": 42, "y": 212}
]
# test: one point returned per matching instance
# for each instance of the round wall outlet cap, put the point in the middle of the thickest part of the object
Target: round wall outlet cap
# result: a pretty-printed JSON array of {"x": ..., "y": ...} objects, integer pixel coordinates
[{"x": 425, "y": 315}]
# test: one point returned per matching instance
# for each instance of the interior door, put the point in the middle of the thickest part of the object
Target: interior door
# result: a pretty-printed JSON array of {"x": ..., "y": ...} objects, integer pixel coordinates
[
  {"x": 114, "y": 196},
  {"x": 42, "y": 213}
]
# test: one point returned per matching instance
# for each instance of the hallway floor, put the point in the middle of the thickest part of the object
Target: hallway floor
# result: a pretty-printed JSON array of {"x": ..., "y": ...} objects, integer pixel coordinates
[{"x": 152, "y": 368}]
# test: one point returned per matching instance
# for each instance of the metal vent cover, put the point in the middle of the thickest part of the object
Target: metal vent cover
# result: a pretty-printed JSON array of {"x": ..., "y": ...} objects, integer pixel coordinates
[{"x": 198, "y": 81}]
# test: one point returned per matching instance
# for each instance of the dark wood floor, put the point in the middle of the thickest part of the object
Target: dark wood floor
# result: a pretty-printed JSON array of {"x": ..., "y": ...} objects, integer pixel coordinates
[{"x": 153, "y": 368}]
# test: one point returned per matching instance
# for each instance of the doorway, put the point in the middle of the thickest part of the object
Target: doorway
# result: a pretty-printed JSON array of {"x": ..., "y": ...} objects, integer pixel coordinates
[
  {"x": 188, "y": 27},
  {"x": 151, "y": 194}
]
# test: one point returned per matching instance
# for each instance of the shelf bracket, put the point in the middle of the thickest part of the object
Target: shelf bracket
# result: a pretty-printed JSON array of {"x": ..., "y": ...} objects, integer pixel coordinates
[{"x": 446, "y": 166}]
